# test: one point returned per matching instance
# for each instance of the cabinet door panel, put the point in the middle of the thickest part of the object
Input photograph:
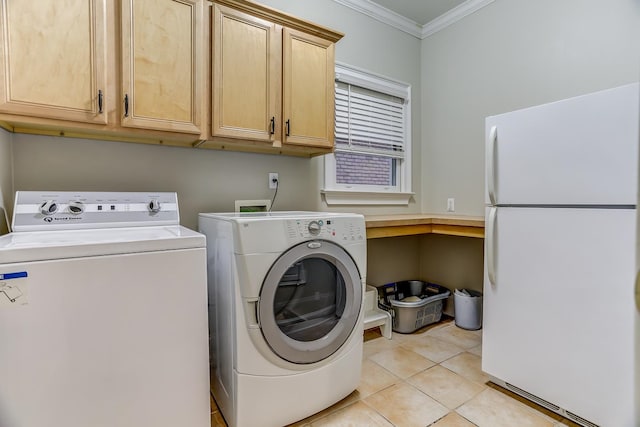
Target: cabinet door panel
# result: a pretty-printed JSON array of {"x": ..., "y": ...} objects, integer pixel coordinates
[
  {"x": 53, "y": 58},
  {"x": 246, "y": 76},
  {"x": 162, "y": 64},
  {"x": 308, "y": 89}
]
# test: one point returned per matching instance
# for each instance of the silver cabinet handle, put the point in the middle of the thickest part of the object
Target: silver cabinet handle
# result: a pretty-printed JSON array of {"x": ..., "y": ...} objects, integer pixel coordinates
[
  {"x": 491, "y": 172},
  {"x": 491, "y": 245}
]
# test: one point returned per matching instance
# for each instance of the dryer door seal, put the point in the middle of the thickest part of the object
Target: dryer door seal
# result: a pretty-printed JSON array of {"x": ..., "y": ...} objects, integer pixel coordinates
[{"x": 310, "y": 302}]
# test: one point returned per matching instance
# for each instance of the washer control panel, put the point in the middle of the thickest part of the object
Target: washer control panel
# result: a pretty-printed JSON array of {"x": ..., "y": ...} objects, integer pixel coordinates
[
  {"x": 337, "y": 228},
  {"x": 50, "y": 210}
]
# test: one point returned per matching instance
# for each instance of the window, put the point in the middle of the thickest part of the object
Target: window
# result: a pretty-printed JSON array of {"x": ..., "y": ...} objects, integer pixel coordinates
[{"x": 372, "y": 158}]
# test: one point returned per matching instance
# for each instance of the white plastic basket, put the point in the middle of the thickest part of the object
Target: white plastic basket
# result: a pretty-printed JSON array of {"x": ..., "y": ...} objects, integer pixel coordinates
[{"x": 408, "y": 316}]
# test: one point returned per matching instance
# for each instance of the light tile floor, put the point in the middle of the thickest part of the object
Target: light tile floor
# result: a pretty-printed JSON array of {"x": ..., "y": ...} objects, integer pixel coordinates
[{"x": 429, "y": 378}]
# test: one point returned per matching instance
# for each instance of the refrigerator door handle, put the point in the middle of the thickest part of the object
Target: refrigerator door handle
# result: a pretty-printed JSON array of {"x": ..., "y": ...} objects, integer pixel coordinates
[
  {"x": 638, "y": 290},
  {"x": 491, "y": 173},
  {"x": 491, "y": 261}
]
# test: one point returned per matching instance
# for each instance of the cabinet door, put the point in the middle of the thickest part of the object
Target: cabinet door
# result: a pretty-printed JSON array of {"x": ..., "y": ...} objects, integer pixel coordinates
[
  {"x": 162, "y": 64},
  {"x": 53, "y": 59},
  {"x": 246, "y": 85},
  {"x": 308, "y": 109}
]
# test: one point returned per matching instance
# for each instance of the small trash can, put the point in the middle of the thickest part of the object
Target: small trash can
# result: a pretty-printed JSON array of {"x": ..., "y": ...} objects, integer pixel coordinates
[{"x": 468, "y": 308}]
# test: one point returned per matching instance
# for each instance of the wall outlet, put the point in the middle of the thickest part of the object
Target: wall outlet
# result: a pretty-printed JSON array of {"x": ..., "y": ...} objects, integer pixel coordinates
[
  {"x": 273, "y": 180},
  {"x": 451, "y": 204}
]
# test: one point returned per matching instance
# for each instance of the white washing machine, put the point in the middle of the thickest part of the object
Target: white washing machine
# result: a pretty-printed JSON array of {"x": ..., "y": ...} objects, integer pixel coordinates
[
  {"x": 103, "y": 319},
  {"x": 285, "y": 312}
]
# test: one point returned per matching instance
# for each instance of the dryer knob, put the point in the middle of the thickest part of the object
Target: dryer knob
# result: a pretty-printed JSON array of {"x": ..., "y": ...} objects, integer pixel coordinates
[
  {"x": 154, "y": 206},
  {"x": 48, "y": 207},
  {"x": 76, "y": 207},
  {"x": 314, "y": 228}
]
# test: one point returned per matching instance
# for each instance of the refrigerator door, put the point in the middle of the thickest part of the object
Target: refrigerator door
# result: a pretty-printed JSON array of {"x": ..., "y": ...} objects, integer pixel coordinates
[
  {"x": 558, "y": 316},
  {"x": 637, "y": 313},
  {"x": 578, "y": 151},
  {"x": 637, "y": 326}
]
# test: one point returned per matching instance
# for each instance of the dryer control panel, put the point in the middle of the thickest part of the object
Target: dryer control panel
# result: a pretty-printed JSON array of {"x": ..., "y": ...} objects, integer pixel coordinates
[
  {"x": 338, "y": 229},
  {"x": 63, "y": 210}
]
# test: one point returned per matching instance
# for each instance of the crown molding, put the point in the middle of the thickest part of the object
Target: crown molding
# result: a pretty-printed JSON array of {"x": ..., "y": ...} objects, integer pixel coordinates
[
  {"x": 384, "y": 15},
  {"x": 409, "y": 26},
  {"x": 265, "y": 12},
  {"x": 453, "y": 16}
]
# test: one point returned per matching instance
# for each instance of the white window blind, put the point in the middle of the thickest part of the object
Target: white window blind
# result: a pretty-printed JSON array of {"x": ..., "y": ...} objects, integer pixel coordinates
[
  {"x": 371, "y": 164},
  {"x": 369, "y": 122}
]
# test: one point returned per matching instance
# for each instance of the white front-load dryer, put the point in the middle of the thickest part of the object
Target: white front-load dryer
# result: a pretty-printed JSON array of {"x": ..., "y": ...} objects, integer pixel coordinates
[{"x": 285, "y": 312}]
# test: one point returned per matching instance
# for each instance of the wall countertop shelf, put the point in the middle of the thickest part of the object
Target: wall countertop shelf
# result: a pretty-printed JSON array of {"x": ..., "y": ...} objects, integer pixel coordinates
[{"x": 411, "y": 224}]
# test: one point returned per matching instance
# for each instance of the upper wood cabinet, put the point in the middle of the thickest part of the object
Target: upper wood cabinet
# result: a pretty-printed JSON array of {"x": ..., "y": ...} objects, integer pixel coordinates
[
  {"x": 137, "y": 70},
  {"x": 162, "y": 64},
  {"x": 247, "y": 78},
  {"x": 308, "y": 89},
  {"x": 272, "y": 77},
  {"x": 127, "y": 70},
  {"x": 53, "y": 59}
]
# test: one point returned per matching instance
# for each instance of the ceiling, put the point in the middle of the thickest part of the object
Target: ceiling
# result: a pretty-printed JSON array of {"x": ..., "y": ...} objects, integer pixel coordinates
[{"x": 420, "y": 11}]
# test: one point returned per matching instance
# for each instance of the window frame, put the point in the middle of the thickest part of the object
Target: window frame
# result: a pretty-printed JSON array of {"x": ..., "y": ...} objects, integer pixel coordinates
[{"x": 359, "y": 194}]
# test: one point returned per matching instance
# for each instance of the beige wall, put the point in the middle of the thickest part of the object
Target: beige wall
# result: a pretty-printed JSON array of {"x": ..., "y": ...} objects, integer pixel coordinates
[
  {"x": 393, "y": 259},
  {"x": 6, "y": 180},
  {"x": 206, "y": 180},
  {"x": 453, "y": 262},
  {"x": 509, "y": 55}
]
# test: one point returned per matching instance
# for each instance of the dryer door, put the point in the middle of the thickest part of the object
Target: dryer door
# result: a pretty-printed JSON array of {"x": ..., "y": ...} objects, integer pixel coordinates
[{"x": 310, "y": 301}]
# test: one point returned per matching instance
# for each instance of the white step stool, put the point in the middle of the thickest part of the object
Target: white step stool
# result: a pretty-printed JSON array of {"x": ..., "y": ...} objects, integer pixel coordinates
[{"x": 374, "y": 315}]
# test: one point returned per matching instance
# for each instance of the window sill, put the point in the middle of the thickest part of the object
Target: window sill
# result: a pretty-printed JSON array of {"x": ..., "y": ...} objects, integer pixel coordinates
[{"x": 346, "y": 197}]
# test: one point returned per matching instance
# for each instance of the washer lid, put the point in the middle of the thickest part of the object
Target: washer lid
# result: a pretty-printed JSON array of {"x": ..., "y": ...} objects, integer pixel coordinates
[{"x": 49, "y": 245}]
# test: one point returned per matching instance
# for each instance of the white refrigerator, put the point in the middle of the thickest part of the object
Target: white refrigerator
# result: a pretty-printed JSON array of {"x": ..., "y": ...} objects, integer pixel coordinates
[{"x": 560, "y": 317}]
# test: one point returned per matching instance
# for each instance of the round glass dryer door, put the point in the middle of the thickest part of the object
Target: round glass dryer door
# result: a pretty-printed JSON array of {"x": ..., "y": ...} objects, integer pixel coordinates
[{"x": 310, "y": 302}]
